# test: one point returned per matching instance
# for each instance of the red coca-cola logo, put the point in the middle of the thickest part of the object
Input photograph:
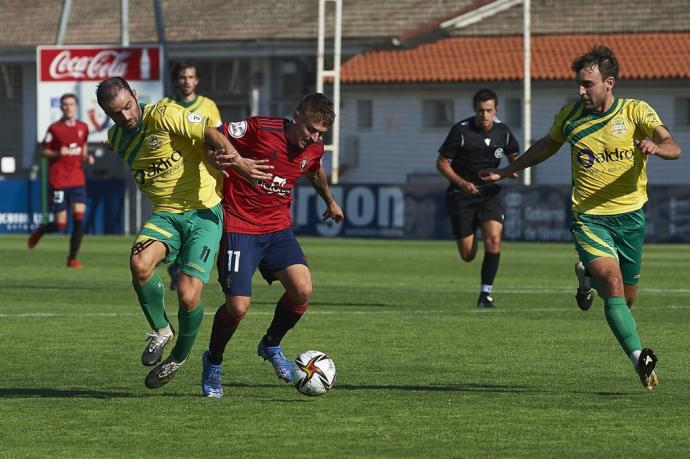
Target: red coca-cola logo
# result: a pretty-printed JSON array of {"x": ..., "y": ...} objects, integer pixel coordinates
[
  {"x": 96, "y": 64},
  {"x": 106, "y": 64}
]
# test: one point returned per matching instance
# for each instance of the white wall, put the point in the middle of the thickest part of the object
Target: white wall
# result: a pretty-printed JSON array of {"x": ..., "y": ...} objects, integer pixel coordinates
[{"x": 398, "y": 145}]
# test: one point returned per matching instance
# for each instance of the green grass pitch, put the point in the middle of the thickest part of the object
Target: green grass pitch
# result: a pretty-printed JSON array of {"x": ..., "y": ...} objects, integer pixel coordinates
[{"x": 421, "y": 371}]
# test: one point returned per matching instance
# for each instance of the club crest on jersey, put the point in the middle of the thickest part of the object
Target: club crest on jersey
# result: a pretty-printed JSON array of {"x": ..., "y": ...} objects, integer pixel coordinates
[
  {"x": 237, "y": 129},
  {"x": 498, "y": 153},
  {"x": 303, "y": 164},
  {"x": 154, "y": 143},
  {"x": 618, "y": 127},
  {"x": 194, "y": 118}
]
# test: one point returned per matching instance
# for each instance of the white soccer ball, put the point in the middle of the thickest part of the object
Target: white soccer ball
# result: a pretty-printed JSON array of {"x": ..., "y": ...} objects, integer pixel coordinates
[{"x": 315, "y": 373}]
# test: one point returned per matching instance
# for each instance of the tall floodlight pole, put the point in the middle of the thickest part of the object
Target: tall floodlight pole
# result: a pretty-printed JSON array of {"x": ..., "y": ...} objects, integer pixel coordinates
[
  {"x": 124, "y": 41},
  {"x": 334, "y": 74},
  {"x": 160, "y": 28},
  {"x": 64, "y": 17},
  {"x": 527, "y": 83},
  {"x": 43, "y": 162}
]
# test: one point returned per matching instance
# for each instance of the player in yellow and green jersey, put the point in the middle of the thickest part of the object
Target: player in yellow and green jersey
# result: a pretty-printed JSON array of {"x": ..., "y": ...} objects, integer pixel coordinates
[
  {"x": 164, "y": 146},
  {"x": 185, "y": 77},
  {"x": 610, "y": 140}
]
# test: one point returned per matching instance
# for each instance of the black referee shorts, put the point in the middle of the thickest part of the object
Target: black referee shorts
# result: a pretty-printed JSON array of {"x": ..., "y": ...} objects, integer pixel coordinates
[{"x": 468, "y": 211}]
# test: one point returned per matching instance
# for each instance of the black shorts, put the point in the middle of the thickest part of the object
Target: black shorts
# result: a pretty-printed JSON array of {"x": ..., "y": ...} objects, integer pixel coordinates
[{"x": 468, "y": 211}]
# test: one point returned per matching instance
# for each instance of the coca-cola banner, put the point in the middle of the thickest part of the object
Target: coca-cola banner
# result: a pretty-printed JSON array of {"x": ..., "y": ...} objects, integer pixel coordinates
[{"x": 79, "y": 69}]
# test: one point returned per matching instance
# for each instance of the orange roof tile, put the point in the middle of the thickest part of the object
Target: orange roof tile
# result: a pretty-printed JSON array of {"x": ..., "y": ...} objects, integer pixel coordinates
[{"x": 641, "y": 56}]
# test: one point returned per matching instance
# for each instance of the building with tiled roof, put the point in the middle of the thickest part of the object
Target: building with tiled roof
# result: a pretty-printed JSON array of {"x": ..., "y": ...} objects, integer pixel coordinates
[
  {"x": 408, "y": 69},
  {"x": 404, "y": 99},
  {"x": 502, "y": 60}
]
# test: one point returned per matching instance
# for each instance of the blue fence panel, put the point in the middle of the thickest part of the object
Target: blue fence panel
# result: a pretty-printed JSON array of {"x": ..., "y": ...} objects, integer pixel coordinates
[
  {"x": 20, "y": 206},
  {"x": 537, "y": 213}
]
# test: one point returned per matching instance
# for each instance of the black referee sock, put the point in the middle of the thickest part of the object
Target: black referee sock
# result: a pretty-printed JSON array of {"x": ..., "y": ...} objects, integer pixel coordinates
[{"x": 490, "y": 267}]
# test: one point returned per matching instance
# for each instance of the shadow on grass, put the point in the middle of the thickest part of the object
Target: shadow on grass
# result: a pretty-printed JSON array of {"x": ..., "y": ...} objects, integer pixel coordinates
[
  {"x": 604, "y": 394},
  {"x": 498, "y": 388},
  {"x": 29, "y": 392},
  {"x": 34, "y": 392},
  {"x": 411, "y": 388}
]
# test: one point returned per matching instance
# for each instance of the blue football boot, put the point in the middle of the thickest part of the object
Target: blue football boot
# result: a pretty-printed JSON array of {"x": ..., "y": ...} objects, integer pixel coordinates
[
  {"x": 281, "y": 364},
  {"x": 211, "y": 384}
]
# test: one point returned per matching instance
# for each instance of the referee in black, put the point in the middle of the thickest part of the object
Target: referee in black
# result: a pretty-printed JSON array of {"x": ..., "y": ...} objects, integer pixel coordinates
[{"x": 477, "y": 143}]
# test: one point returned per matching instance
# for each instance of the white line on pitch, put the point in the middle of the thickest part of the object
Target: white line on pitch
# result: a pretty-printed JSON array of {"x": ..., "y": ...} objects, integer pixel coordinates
[{"x": 316, "y": 311}]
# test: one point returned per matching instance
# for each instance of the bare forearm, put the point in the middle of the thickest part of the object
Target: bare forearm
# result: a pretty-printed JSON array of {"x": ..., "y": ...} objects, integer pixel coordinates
[
  {"x": 447, "y": 171},
  {"x": 320, "y": 183},
  {"x": 444, "y": 167},
  {"x": 540, "y": 151},
  {"x": 216, "y": 140},
  {"x": 668, "y": 149}
]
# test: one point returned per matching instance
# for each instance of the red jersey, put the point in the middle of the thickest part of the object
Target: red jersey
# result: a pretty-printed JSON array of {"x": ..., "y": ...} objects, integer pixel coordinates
[
  {"x": 257, "y": 206},
  {"x": 66, "y": 171}
]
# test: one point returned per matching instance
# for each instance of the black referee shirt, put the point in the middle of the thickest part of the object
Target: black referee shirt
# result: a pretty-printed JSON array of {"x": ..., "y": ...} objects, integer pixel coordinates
[{"x": 470, "y": 149}]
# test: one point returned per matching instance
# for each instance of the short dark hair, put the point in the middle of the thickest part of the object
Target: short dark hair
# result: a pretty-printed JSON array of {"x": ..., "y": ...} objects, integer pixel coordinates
[
  {"x": 181, "y": 67},
  {"x": 602, "y": 57},
  {"x": 482, "y": 96},
  {"x": 317, "y": 107},
  {"x": 108, "y": 89},
  {"x": 67, "y": 95}
]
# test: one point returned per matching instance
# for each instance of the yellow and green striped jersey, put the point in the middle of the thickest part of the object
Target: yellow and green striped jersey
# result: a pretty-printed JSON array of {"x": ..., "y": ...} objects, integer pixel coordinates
[
  {"x": 165, "y": 153},
  {"x": 201, "y": 105},
  {"x": 609, "y": 173}
]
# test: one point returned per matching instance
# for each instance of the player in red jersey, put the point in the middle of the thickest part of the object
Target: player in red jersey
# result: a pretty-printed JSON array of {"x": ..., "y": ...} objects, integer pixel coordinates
[
  {"x": 258, "y": 229},
  {"x": 65, "y": 146}
]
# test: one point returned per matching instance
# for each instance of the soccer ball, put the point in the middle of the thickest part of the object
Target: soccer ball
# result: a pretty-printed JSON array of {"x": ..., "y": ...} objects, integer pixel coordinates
[{"x": 315, "y": 373}]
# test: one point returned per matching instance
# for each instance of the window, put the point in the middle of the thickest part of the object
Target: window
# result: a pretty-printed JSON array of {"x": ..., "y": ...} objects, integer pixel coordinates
[
  {"x": 682, "y": 113},
  {"x": 290, "y": 80},
  {"x": 438, "y": 113},
  {"x": 365, "y": 114},
  {"x": 232, "y": 78},
  {"x": 511, "y": 114}
]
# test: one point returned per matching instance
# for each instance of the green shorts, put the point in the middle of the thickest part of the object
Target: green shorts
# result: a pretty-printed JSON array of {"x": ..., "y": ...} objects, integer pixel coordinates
[
  {"x": 617, "y": 236},
  {"x": 192, "y": 238}
]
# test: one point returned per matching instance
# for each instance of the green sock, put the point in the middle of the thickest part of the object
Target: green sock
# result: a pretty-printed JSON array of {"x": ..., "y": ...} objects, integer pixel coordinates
[
  {"x": 189, "y": 327},
  {"x": 622, "y": 324},
  {"x": 151, "y": 296}
]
